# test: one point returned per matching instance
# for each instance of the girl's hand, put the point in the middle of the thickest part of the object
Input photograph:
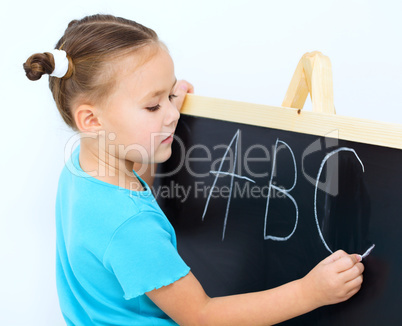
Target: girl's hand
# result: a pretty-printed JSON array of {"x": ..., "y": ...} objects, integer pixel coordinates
[
  {"x": 181, "y": 88},
  {"x": 335, "y": 279}
]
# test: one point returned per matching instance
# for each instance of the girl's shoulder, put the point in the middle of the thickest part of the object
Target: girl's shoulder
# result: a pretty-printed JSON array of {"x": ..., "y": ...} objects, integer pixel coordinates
[{"x": 94, "y": 209}]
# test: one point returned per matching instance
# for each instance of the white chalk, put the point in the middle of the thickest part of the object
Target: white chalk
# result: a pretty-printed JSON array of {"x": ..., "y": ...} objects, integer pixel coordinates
[{"x": 368, "y": 251}]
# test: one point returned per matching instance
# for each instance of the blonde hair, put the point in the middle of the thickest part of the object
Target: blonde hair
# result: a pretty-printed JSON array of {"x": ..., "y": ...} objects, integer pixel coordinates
[{"x": 91, "y": 44}]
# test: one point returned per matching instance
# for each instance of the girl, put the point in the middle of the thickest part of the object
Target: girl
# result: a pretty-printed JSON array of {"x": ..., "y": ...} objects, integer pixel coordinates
[{"x": 113, "y": 81}]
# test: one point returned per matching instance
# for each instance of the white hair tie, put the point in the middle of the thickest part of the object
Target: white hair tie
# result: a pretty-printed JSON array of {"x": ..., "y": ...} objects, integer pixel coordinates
[{"x": 60, "y": 63}]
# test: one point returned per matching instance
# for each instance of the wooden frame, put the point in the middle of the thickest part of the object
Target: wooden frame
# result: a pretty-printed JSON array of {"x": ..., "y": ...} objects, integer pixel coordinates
[{"x": 313, "y": 75}]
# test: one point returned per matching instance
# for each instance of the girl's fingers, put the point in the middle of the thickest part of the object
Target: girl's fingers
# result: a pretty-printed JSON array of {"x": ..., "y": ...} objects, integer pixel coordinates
[
  {"x": 181, "y": 89},
  {"x": 345, "y": 263},
  {"x": 353, "y": 272},
  {"x": 355, "y": 285},
  {"x": 334, "y": 257}
]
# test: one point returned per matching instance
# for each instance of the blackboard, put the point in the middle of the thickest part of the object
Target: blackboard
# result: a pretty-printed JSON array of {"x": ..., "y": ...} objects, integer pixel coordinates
[{"x": 282, "y": 200}]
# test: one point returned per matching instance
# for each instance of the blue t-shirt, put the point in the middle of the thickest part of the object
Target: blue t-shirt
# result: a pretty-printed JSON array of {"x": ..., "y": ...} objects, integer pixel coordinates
[{"x": 113, "y": 245}]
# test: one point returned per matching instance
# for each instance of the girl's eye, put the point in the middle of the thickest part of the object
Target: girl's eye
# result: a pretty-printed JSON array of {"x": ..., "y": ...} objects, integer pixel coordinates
[
  {"x": 153, "y": 108},
  {"x": 157, "y": 107}
]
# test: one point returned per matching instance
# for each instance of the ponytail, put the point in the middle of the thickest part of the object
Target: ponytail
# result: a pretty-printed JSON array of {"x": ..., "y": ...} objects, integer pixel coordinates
[{"x": 39, "y": 64}]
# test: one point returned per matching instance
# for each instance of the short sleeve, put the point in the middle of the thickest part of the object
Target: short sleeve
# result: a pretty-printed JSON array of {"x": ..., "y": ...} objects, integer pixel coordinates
[{"x": 142, "y": 254}]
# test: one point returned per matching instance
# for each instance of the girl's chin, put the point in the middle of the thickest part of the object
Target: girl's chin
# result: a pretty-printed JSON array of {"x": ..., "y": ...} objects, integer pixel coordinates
[{"x": 163, "y": 157}]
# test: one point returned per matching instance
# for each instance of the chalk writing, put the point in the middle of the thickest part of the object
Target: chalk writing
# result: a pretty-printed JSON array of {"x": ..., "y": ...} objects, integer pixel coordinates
[
  {"x": 232, "y": 176},
  {"x": 284, "y": 191},
  {"x": 342, "y": 149},
  {"x": 272, "y": 187}
]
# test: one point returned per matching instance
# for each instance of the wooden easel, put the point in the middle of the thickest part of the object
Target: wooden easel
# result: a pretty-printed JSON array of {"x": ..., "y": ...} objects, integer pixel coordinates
[{"x": 313, "y": 75}]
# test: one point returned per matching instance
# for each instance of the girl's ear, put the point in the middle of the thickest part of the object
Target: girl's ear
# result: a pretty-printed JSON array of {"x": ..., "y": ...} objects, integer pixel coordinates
[{"x": 86, "y": 118}]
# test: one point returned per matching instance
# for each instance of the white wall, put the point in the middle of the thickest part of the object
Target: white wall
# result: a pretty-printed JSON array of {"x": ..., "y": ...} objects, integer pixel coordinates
[{"x": 241, "y": 50}]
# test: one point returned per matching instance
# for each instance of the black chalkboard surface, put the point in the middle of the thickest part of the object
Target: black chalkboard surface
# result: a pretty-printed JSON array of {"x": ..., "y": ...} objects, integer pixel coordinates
[{"x": 256, "y": 207}]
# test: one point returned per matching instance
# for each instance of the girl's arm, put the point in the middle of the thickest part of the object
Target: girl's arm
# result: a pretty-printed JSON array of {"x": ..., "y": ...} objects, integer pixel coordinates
[
  {"x": 148, "y": 171},
  {"x": 333, "y": 280}
]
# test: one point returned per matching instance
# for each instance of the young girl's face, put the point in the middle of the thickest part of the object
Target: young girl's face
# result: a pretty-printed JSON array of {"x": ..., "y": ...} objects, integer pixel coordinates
[{"x": 139, "y": 118}]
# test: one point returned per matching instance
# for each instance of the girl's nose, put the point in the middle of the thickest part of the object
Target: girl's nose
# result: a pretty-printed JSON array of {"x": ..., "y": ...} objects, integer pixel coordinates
[{"x": 173, "y": 113}]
